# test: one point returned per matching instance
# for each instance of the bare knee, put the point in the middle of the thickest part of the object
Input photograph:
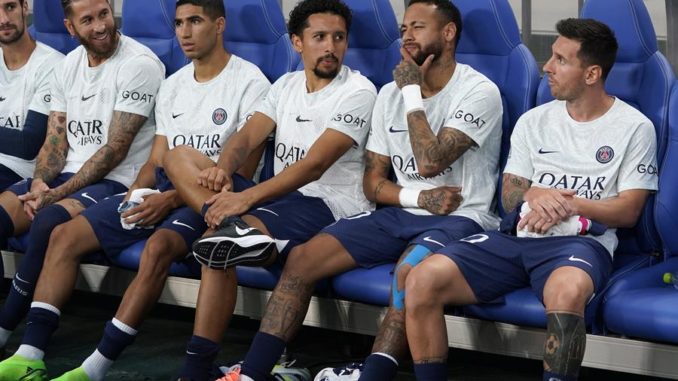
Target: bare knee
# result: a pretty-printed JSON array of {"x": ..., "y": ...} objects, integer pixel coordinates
[
  {"x": 422, "y": 288},
  {"x": 300, "y": 264},
  {"x": 176, "y": 155},
  {"x": 64, "y": 244},
  {"x": 568, "y": 289},
  {"x": 160, "y": 251}
]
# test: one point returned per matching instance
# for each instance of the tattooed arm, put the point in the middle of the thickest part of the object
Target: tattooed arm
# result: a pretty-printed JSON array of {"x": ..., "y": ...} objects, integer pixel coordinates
[
  {"x": 435, "y": 153},
  {"x": 513, "y": 188},
  {"x": 376, "y": 185},
  {"x": 52, "y": 156},
  {"x": 123, "y": 129},
  {"x": 432, "y": 153}
]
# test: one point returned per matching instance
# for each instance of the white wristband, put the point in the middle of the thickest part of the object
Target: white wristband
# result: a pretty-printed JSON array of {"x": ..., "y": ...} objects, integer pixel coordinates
[
  {"x": 409, "y": 198},
  {"x": 412, "y": 98}
]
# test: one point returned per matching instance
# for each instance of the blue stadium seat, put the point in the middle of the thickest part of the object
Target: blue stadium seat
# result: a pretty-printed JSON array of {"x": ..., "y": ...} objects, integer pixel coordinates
[
  {"x": 640, "y": 304},
  {"x": 374, "y": 40},
  {"x": 490, "y": 42},
  {"x": 151, "y": 22},
  {"x": 48, "y": 26},
  {"x": 256, "y": 31},
  {"x": 642, "y": 77}
]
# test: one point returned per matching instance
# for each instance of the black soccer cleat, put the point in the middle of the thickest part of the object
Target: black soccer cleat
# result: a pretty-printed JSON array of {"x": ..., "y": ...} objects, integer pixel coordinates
[{"x": 234, "y": 243}]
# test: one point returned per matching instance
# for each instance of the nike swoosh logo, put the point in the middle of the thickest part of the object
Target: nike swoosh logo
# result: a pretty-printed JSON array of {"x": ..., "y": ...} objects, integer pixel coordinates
[
  {"x": 543, "y": 151},
  {"x": 179, "y": 223},
  {"x": 299, "y": 120},
  {"x": 177, "y": 115},
  {"x": 429, "y": 239},
  {"x": 243, "y": 231},
  {"x": 84, "y": 98},
  {"x": 85, "y": 195},
  {"x": 269, "y": 211},
  {"x": 573, "y": 259},
  {"x": 19, "y": 278},
  {"x": 393, "y": 130}
]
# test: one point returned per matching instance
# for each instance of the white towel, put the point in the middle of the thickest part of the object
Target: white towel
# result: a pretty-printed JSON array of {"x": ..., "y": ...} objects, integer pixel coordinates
[
  {"x": 135, "y": 199},
  {"x": 567, "y": 227}
]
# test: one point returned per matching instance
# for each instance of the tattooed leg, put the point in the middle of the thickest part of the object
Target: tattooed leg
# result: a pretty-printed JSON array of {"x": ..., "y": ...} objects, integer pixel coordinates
[{"x": 565, "y": 344}]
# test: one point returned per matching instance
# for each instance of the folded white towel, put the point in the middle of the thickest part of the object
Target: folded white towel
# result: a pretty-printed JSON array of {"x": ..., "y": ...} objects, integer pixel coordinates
[
  {"x": 135, "y": 199},
  {"x": 568, "y": 227}
]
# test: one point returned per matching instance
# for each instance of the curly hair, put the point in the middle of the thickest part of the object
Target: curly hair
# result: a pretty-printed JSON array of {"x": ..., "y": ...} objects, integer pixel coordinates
[{"x": 300, "y": 14}]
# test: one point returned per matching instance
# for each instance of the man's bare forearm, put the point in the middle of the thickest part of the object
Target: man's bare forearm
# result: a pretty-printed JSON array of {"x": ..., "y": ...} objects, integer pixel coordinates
[{"x": 52, "y": 156}]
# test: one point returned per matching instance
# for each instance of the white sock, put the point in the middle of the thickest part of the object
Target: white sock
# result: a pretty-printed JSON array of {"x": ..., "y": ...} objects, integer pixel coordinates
[
  {"x": 245, "y": 378},
  {"x": 124, "y": 327},
  {"x": 96, "y": 366},
  {"x": 4, "y": 336},
  {"x": 30, "y": 352}
]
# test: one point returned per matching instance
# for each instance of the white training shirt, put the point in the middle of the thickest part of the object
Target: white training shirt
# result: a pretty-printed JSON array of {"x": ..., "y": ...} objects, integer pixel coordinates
[
  {"x": 27, "y": 88},
  {"x": 127, "y": 82},
  {"x": 204, "y": 115},
  {"x": 344, "y": 105},
  {"x": 598, "y": 159},
  {"x": 470, "y": 103}
]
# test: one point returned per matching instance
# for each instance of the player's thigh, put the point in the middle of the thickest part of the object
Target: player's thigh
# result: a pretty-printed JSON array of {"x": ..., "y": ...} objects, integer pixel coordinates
[{"x": 14, "y": 208}]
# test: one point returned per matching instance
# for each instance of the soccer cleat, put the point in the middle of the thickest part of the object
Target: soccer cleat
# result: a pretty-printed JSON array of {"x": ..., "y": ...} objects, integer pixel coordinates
[
  {"x": 19, "y": 368},
  {"x": 231, "y": 374},
  {"x": 350, "y": 372},
  {"x": 234, "y": 243},
  {"x": 77, "y": 374},
  {"x": 285, "y": 372}
]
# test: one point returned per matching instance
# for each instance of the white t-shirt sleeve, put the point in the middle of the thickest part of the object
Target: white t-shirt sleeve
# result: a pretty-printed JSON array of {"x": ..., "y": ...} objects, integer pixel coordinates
[
  {"x": 252, "y": 97},
  {"x": 42, "y": 98},
  {"x": 269, "y": 104},
  {"x": 638, "y": 169},
  {"x": 519, "y": 162},
  {"x": 376, "y": 139},
  {"x": 478, "y": 114},
  {"x": 352, "y": 116},
  {"x": 161, "y": 110},
  {"x": 138, "y": 83},
  {"x": 58, "y": 94}
]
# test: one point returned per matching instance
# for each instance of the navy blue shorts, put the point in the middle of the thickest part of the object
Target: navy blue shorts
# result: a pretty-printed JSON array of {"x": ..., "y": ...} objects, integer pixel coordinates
[
  {"x": 495, "y": 263},
  {"x": 293, "y": 219},
  {"x": 105, "y": 220},
  {"x": 88, "y": 195},
  {"x": 374, "y": 238},
  {"x": 7, "y": 178}
]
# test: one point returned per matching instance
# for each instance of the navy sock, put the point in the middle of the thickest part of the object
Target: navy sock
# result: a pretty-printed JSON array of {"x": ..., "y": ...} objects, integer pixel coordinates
[
  {"x": 40, "y": 324},
  {"x": 378, "y": 367},
  {"x": 548, "y": 376},
  {"x": 204, "y": 208},
  {"x": 114, "y": 341},
  {"x": 200, "y": 354},
  {"x": 431, "y": 372},
  {"x": 6, "y": 228},
  {"x": 21, "y": 293},
  {"x": 264, "y": 352}
]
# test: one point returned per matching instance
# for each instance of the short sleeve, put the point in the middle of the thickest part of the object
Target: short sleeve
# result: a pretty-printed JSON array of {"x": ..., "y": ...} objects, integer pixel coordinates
[
  {"x": 377, "y": 140},
  {"x": 519, "y": 162},
  {"x": 58, "y": 94},
  {"x": 42, "y": 98},
  {"x": 352, "y": 116},
  {"x": 254, "y": 94},
  {"x": 269, "y": 104},
  {"x": 479, "y": 113},
  {"x": 138, "y": 83},
  {"x": 161, "y": 107},
  {"x": 638, "y": 169}
]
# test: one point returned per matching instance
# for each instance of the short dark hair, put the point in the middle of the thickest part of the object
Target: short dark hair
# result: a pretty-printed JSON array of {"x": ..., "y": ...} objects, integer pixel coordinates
[
  {"x": 449, "y": 13},
  {"x": 598, "y": 43},
  {"x": 300, "y": 14},
  {"x": 213, "y": 8},
  {"x": 66, "y": 5}
]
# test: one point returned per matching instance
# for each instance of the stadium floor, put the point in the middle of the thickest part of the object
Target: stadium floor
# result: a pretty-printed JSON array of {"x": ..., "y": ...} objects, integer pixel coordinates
[{"x": 157, "y": 353}]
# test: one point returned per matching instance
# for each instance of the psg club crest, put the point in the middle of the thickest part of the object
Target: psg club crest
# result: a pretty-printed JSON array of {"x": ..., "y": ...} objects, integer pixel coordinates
[
  {"x": 219, "y": 116},
  {"x": 604, "y": 154}
]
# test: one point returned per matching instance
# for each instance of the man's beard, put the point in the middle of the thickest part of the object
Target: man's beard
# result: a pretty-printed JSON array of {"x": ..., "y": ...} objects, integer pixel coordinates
[
  {"x": 104, "y": 52},
  {"x": 326, "y": 74},
  {"x": 14, "y": 37},
  {"x": 435, "y": 48}
]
